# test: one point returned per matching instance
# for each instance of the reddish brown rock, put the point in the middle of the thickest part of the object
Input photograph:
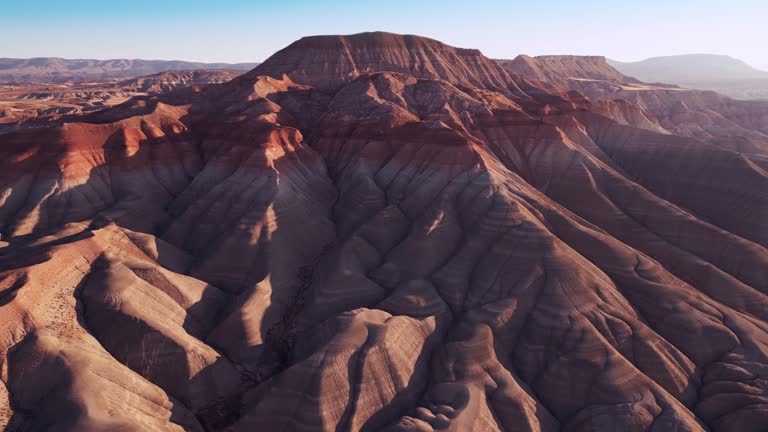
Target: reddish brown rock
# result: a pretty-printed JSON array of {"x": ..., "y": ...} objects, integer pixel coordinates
[
  {"x": 705, "y": 115},
  {"x": 327, "y": 62},
  {"x": 42, "y": 104},
  {"x": 382, "y": 232}
]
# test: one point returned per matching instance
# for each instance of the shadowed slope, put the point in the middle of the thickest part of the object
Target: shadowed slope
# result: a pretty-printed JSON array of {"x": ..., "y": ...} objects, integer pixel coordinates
[{"x": 384, "y": 233}]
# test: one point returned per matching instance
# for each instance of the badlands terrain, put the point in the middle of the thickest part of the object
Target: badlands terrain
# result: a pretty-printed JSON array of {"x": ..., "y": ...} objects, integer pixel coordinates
[
  {"x": 59, "y": 70},
  {"x": 380, "y": 232},
  {"x": 46, "y": 103}
]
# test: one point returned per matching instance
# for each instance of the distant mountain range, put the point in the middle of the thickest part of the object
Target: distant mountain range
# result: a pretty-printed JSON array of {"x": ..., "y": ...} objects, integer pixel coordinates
[
  {"x": 721, "y": 73},
  {"x": 57, "y": 70}
]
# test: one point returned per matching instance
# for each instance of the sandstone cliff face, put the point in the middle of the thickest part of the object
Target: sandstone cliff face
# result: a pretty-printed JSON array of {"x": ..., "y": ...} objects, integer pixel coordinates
[{"x": 382, "y": 232}]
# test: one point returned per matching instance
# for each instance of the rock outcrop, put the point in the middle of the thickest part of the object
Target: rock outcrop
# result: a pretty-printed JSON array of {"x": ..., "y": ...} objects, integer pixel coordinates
[{"x": 382, "y": 232}]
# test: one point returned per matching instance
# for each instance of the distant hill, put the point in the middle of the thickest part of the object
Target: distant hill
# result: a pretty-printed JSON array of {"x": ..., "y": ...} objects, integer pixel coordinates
[
  {"x": 32, "y": 103},
  {"x": 721, "y": 73},
  {"x": 561, "y": 69},
  {"x": 57, "y": 70},
  {"x": 171, "y": 80}
]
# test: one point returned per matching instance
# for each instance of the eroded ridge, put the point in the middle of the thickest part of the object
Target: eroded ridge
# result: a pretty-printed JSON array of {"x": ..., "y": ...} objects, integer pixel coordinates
[{"x": 382, "y": 232}]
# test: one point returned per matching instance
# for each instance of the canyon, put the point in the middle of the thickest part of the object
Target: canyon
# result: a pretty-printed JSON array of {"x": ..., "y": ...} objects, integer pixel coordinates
[{"x": 382, "y": 232}]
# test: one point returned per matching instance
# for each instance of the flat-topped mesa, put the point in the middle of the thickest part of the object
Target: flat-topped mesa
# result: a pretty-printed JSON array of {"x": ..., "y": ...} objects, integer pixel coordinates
[
  {"x": 327, "y": 62},
  {"x": 588, "y": 67},
  {"x": 553, "y": 68}
]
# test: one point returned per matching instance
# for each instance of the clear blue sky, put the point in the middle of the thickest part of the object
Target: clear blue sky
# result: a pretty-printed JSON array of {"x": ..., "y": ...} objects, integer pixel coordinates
[{"x": 240, "y": 31}]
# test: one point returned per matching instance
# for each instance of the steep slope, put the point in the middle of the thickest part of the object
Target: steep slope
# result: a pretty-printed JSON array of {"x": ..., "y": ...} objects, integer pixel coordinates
[
  {"x": 371, "y": 241},
  {"x": 326, "y": 62}
]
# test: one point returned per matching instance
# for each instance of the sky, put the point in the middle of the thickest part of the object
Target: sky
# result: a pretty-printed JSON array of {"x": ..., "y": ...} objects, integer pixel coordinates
[{"x": 247, "y": 31}]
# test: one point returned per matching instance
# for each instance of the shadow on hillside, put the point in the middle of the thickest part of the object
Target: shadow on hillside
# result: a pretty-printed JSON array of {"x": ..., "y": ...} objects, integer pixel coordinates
[{"x": 134, "y": 188}]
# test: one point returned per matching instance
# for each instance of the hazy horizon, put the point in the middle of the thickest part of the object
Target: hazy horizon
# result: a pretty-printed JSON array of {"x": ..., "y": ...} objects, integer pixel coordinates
[{"x": 238, "y": 31}]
